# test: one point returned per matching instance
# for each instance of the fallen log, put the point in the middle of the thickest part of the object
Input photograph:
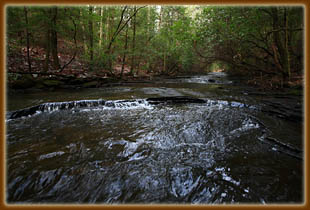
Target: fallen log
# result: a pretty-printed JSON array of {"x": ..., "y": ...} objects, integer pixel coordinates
[{"x": 42, "y": 73}]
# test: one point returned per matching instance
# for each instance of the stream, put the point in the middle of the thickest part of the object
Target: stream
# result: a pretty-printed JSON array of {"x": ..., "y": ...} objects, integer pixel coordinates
[{"x": 197, "y": 139}]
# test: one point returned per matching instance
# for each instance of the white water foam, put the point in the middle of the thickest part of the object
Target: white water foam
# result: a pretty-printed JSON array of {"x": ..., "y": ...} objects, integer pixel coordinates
[
  {"x": 123, "y": 104},
  {"x": 51, "y": 155}
]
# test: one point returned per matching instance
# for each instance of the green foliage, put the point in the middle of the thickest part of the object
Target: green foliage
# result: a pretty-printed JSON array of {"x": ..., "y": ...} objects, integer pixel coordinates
[
  {"x": 244, "y": 37},
  {"x": 13, "y": 76},
  {"x": 165, "y": 39}
]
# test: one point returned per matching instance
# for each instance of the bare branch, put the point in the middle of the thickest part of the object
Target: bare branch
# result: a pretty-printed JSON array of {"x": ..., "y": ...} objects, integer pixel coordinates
[
  {"x": 119, "y": 29},
  {"x": 283, "y": 29},
  {"x": 75, "y": 43}
]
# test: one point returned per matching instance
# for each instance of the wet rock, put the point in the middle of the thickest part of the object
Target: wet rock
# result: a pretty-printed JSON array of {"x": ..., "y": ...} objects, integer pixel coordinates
[
  {"x": 24, "y": 112},
  {"x": 23, "y": 83},
  {"x": 39, "y": 85},
  {"x": 52, "y": 83},
  {"x": 55, "y": 106},
  {"x": 284, "y": 148},
  {"x": 284, "y": 108},
  {"x": 257, "y": 93},
  {"x": 211, "y": 80},
  {"x": 76, "y": 81},
  {"x": 91, "y": 84},
  {"x": 174, "y": 100},
  {"x": 66, "y": 86}
]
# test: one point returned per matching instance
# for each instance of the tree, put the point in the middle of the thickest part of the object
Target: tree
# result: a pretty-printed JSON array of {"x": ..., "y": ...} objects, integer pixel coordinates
[
  {"x": 121, "y": 24},
  {"x": 27, "y": 38},
  {"x": 54, "y": 39},
  {"x": 125, "y": 51},
  {"x": 91, "y": 35},
  {"x": 249, "y": 38},
  {"x": 101, "y": 27},
  {"x": 161, "y": 39},
  {"x": 133, "y": 42}
]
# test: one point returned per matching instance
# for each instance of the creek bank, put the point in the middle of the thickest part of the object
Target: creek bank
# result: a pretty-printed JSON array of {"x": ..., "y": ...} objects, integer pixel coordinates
[
  {"x": 27, "y": 80},
  {"x": 71, "y": 82},
  {"x": 54, "y": 82}
]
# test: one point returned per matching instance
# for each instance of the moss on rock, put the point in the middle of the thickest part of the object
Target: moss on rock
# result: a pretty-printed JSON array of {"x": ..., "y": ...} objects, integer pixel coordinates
[
  {"x": 52, "y": 83},
  {"x": 23, "y": 82},
  {"x": 90, "y": 84}
]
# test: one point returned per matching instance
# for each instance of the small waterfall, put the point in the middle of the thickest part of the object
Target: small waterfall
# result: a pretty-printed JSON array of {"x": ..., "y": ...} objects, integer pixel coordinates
[
  {"x": 121, "y": 104},
  {"x": 70, "y": 105},
  {"x": 55, "y": 106},
  {"x": 127, "y": 104}
]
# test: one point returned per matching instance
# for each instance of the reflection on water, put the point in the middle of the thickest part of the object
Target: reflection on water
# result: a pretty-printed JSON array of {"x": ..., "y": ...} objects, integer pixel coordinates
[{"x": 136, "y": 152}]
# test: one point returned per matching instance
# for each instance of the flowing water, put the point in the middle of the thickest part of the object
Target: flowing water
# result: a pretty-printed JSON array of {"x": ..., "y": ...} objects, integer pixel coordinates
[{"x": 151, "y": 143}]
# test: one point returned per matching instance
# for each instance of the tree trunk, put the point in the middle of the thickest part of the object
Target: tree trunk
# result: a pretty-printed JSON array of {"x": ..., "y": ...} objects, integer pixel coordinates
[
  {"x": 148, "y": 36},
  {"x": 165, "y": 61},
  {"x": 110, "y": 24},
  {"x": 119, "y": 28},
  {"x": 54, "y": 47},
  {"x": 83, "y": 32},
  {"x": 287, "y": 53},
  {"x": 280, "y": 44},
  {"x": 27, "y": 38},
  {"x": 133, "y": 43},
  {"x": 101, "y": 27},
  {"x": 148, "y": 21},
  {"x": 160, "y": 17},
  {"x": 47, "y": 49},
  {"x": 113, "y": 37},
  {"x": 107, "y": 29},
  {"x": 91, "y": 36},
  {"x": 125, "y": 51}
]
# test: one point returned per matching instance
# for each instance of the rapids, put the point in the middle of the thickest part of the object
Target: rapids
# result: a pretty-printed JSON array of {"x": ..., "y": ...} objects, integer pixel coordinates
[{"x": 200, "y": 140}]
